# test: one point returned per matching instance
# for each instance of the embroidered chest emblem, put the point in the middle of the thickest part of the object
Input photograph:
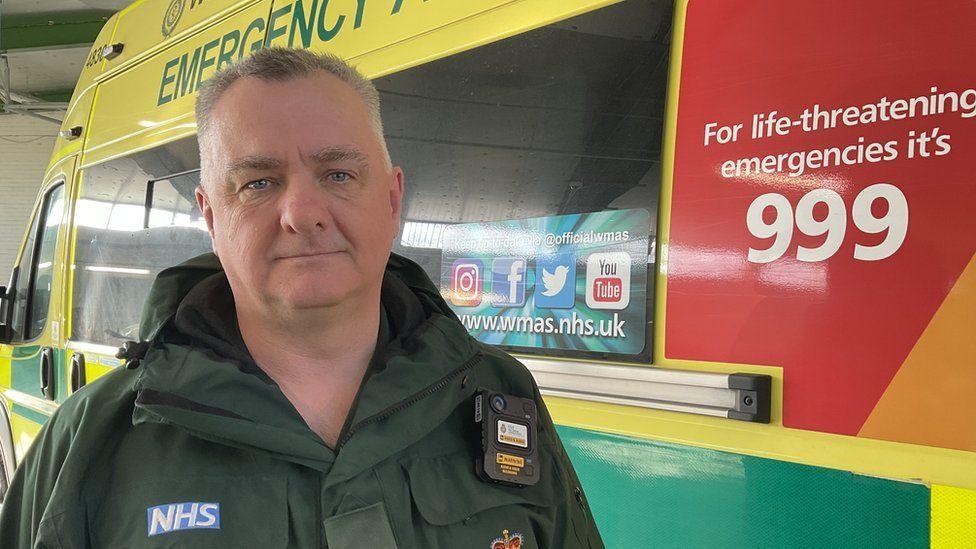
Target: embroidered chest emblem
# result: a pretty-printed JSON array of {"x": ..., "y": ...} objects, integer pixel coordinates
[
  {"x": 172, "y": 517},
  {"x": 507, "y": 541}
]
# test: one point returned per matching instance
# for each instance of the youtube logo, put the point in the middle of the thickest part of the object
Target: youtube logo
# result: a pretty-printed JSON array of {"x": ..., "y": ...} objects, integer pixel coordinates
[{"x": 608, "y": 280}]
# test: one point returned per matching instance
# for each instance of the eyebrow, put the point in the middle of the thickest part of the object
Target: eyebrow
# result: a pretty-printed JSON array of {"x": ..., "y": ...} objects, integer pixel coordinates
[
  {"x": 339, "y": 154},
  {"x": 325, "y": 155},
  {"x": 253, "y": 162}
]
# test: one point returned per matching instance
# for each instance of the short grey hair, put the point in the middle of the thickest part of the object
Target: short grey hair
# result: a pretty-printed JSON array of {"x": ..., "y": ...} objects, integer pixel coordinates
[{"x": 282, "y": 65}]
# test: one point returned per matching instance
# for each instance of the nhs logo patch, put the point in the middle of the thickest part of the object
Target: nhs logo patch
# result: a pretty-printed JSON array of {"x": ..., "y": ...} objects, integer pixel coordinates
[{"x": 163, "y": 519}]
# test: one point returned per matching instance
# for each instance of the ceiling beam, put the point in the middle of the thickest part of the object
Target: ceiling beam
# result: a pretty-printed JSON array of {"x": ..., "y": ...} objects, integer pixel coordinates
[{"x": 44, "y": 30}]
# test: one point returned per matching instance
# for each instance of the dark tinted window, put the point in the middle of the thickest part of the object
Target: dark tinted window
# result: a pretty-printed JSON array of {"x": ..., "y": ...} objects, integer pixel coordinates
[
  {"x": 135, "y": 216},
  {"x": 35, "y": 270},
  {"x": 21, "y": 286},
  {"x": 564, "y": 119},
  {"x": 43, "y": 265}
]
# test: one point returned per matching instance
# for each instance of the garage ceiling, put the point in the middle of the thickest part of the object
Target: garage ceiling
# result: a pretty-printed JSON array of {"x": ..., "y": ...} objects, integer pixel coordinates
[
  {"x": 19, "y": 7},
  {"x": 44, "y": 44}
]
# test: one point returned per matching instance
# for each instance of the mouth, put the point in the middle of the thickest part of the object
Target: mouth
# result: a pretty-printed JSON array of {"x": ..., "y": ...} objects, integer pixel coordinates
[{"x": 310, "y": 255}]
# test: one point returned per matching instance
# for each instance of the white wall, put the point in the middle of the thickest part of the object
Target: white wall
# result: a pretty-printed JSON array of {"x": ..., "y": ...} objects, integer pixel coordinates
[{"x": 26, "y": 144}]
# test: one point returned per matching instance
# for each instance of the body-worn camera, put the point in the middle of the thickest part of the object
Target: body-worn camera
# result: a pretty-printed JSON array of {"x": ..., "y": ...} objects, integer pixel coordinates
[{"x": 509, "y": 427}]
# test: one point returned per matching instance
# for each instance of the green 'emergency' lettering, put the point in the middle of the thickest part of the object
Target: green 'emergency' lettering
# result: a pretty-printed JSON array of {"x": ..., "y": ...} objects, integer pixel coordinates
[
  {"x": 186, "y": 75},
  {"x": 396, "y": 7},
  {"x": 360, "y": 8},
  {"x": 206, "y": 61},
  {"x": 255, "y": 25},
  {"x": 325, "y": 33},
  {"x": 302, "y": 23},
  {"x": 227, "y": 53},
  {"x": 275, "y": 32},
  {"x": 167, "y": 78}
]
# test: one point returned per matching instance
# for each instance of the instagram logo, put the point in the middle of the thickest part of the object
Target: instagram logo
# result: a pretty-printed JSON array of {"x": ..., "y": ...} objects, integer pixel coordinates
[{"x": 466, "y": 282}]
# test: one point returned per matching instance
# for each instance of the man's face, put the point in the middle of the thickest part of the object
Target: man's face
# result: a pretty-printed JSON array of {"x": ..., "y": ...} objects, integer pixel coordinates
[{"x": 300, "y": 203}]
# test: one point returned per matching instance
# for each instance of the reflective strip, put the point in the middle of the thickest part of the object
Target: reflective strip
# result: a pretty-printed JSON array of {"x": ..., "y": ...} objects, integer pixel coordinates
[{"x": 93, "y": 348}]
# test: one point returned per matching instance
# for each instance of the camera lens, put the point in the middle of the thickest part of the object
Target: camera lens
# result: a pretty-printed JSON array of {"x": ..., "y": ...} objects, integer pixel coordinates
[{"x": 498, "y": 403}]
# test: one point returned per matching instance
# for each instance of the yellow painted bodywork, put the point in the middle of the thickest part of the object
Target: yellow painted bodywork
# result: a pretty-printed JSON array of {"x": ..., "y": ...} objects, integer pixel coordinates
[
  {"x": 53, "y": 335},
  {"x": 953, "y": 517},
  {"x": 127, "y": 116},
  {"x": 140, "y": 26},
  {"x": 24, "y": 431}
]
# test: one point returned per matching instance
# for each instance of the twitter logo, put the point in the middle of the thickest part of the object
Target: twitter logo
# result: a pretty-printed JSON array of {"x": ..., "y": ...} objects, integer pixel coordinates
[{"x": 555, "y": 281}]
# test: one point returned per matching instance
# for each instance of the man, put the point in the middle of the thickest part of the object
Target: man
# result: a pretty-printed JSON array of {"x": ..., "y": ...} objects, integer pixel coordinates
[{"x": 308, "y": 389}]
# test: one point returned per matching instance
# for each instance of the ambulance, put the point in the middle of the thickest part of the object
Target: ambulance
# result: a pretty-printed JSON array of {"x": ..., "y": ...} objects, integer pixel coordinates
[{"x": 733, "y": 241}]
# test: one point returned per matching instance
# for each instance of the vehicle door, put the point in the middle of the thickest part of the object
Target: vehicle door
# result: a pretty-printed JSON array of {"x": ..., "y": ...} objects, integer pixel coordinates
[
  {"x": 135, "y": 215},
  {"x": 31, "y": 343}
]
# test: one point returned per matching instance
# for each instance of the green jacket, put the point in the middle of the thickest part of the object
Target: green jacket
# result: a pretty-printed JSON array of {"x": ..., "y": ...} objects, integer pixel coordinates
[{"x": 199, "y": 425}]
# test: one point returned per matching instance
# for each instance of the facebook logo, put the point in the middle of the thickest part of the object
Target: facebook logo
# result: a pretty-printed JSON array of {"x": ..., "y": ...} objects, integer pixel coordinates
[
  {"x": 508, "y": 282},
  {"x": 555, "y": 282}
]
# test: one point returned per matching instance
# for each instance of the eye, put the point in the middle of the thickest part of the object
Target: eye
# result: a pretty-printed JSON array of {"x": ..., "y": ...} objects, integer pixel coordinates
[
  {"x": 258, "y": 185},
  {"x": 339, "y": 177}
]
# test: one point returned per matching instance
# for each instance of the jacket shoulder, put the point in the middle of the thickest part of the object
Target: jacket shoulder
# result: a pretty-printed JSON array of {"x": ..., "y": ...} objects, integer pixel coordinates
[
  {"x": 45, "y": 491},
  {"x": 95, "y": 404},
  {"x": 512, "y": 375},
  {"x": 514, "y": 378},
  {"x": 82, "y": 426}
]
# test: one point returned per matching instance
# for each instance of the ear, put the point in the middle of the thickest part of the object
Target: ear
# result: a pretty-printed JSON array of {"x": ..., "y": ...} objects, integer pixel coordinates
[
  {"x": 396, "y": 198},
  {"x": 203, "y": 202}
]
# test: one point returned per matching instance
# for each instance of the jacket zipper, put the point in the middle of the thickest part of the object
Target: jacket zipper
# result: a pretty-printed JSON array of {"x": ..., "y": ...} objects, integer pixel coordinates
[{"x": 410, "y": 401}]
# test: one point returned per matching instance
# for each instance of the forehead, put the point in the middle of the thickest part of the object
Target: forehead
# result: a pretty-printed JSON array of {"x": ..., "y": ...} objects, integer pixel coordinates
[{"x": 257, "y": 117}]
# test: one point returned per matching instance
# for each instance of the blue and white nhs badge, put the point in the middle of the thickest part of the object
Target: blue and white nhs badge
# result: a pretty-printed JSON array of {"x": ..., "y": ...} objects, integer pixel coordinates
[{"x": 193, "y": 515}]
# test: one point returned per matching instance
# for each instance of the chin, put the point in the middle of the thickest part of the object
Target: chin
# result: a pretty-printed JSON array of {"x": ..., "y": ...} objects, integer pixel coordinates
[{"x": 300, "y": 296}]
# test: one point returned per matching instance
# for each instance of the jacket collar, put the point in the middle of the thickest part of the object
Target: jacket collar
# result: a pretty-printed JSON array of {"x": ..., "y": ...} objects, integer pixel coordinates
[
  {"x": 172, "y": 286},
  {"x": 198, "y": 385}
]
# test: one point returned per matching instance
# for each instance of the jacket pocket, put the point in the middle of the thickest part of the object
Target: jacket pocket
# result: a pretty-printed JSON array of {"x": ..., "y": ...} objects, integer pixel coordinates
[
  {"x": 452, "y": 507},
  {"x": 366, "y": 527},
  {"x": 240, "y": 512}
]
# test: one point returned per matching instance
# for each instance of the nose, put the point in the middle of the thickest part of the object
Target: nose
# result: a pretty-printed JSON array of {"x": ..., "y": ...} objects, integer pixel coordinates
[{"x": 304, "y": 206}]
